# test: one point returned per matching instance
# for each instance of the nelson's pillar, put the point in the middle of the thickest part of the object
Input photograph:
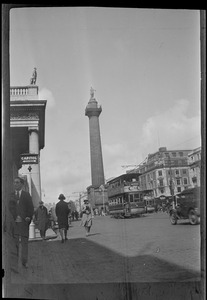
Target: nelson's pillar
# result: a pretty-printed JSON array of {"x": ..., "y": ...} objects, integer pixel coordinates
[{"x": 93, "y": 111}]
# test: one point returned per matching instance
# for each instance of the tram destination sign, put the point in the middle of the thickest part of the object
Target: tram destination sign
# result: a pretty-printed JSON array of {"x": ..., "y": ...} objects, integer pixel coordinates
[{"x": 29, "y": 159}]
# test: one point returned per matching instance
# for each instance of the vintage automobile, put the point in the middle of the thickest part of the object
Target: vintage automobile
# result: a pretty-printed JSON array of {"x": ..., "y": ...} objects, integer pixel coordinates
[{"x": 187, "y": 206}]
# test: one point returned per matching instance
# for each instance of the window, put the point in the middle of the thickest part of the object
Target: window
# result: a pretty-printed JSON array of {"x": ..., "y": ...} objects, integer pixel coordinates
[
  {"x": 131, "y": 198},
  {"x": 174, "y": 154},
  {"x": 185, "y": 180},
  {"x": 136, "y": 196},
  {"x": 181, "y": 153},
  {"x": 161, "y": 182},
  {"x": 177, "y": 172},
  {"x": 178, "y": 181},
  {"x": 159, "y": 173},
  {"x": 184, "y": 171},
  {"x": 179, "y": 189}
]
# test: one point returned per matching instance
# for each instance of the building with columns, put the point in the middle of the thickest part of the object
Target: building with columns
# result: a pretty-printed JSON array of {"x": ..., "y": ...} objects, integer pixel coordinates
[
  {"x": 97, "y": 194},
  {"x": 27, "y": 135}
]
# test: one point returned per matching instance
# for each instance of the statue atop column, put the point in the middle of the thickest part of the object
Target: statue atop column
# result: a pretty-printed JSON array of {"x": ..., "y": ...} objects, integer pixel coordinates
[
  {"x": 92, "y": 93},
  {"x": 34, "y": 77}
]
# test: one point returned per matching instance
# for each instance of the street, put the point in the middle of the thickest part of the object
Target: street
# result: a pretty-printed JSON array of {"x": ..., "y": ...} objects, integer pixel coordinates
[{"x": 142, "y": 249}]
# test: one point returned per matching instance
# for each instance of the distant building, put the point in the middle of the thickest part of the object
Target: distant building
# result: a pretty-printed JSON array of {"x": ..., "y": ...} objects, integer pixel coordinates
[
  {"x": 194, "y": 161},
  {"x": 165, "y": 172}
]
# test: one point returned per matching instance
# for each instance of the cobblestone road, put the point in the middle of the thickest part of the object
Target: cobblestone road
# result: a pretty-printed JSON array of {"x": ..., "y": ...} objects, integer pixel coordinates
[{"x": 144, "y": 249}]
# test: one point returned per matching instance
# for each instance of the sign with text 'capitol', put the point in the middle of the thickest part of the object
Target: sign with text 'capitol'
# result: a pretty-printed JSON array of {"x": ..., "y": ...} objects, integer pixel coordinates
[{"x": 29, "y": 158}]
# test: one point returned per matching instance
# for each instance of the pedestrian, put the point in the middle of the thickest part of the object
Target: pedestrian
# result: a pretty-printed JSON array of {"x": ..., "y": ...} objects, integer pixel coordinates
[
  {"x": 41, "y": 219},
  {"x": 62, "y": 213},
  {"x": 22, "y": 209},
  {"x": 76, "y": 215},
  {"x": 53, "y": 218},
  {"x": 87, "y": 215}
]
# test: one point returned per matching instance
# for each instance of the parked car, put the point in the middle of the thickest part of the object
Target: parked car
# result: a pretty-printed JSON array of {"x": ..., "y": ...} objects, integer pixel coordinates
[{"x": 187, "y": 206}]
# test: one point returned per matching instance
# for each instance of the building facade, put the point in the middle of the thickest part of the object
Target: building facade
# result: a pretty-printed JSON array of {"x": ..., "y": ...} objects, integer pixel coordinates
[
  {"x": 27, "y": 136},
  {"x": 165, "y": 172},
  {"x": 194, "y": 162}
]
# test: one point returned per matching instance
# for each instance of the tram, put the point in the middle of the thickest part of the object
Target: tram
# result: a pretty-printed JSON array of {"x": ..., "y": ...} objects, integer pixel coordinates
[{"x": 125, "y": 199}]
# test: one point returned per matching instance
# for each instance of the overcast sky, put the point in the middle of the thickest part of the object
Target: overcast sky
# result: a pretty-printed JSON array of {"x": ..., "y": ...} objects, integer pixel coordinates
[{"x": 145, "y": 67}]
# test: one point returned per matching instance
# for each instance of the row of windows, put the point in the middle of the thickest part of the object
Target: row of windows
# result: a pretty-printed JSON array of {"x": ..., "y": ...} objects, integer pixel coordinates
[
  {"x": 169, "y": 172},
  {"x": 119, "y": 183},
  {"x": 176, "y": 190},
  {"x": 177, "y": 181},
  {"x": 174, "y": 154},
  {"x": 132, "y": 198},
  {"x": 176, "y": 172}
]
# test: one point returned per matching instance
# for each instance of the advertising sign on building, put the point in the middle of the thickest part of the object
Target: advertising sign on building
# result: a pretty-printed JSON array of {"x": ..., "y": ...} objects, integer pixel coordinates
[{"x": 29, "y": 158}]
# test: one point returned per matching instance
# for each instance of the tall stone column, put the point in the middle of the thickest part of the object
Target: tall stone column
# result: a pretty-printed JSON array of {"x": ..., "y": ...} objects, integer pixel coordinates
[
  {"x": 35, "y": 172},
  {"x": 97, "y": 171}
]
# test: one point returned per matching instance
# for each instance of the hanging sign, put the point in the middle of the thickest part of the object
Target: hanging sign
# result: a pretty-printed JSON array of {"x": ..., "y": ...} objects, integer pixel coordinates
[{"x": 29, "y": 158}]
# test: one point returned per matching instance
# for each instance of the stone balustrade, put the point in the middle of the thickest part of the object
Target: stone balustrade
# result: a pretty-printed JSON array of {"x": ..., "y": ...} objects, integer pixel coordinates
[{"x": 24, "y": 92}]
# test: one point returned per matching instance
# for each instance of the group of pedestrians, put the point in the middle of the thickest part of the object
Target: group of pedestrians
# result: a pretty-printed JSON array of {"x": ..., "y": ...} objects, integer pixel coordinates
[{"x": 22, "y": 214}]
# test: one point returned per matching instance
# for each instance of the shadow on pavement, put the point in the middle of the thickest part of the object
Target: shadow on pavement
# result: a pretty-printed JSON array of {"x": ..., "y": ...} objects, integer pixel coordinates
[
  {"x": 82, "y": 260},
  {"x": 83, "y": 265}
]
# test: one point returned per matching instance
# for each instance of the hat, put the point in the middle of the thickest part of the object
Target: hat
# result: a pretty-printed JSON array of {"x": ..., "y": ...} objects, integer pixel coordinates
[
  {"x": 61, "y": 197},
  {"x": 41, "y": 202}
]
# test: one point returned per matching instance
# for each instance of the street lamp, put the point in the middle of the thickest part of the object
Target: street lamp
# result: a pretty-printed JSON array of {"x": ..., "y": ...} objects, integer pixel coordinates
[
  {"x": 32, "y": 224},
  {"x": 30, "y": 180},
  {"x": 102, "y": 189}
]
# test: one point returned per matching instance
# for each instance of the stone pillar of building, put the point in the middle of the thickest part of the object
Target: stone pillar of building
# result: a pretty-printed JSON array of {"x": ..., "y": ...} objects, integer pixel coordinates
[
  {"x": 97, "y": 171},
  {"x": 35, "y": 171}
]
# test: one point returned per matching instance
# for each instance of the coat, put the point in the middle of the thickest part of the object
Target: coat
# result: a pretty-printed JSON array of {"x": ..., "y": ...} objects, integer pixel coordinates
[
  {"x": 62, "y": 212},
  {"x": 25, "y": 208},
  {"x": 42, "y": 218},
  {"x": 87, "y": 214}
]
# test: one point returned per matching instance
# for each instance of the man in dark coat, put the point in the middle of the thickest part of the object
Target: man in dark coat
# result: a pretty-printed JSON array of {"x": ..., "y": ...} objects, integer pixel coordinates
[
  {"x": 62, "y": 212},
  {"x": 41, "y": 218},
  {"x": 22, "y": 209}
]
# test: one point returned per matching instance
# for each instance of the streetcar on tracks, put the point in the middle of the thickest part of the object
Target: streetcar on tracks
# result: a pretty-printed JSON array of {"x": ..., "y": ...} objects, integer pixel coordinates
[{"x": 125, "y": 198}]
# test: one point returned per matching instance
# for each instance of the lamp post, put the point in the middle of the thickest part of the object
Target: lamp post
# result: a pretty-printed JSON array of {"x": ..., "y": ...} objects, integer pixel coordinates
[
  {"x": 102, "y": 189},
  {"x": 32, "y": 224},
  {"x": 171, "y": 185},
  {"x": 30, "y": 180}
]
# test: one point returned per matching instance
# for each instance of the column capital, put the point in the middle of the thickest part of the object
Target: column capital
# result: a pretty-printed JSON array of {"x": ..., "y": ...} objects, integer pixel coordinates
[{"x": 33, "y": 128}]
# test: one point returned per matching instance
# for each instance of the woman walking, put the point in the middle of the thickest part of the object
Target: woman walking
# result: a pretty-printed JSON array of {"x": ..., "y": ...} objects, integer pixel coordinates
[
  {"x": 62, "y": 212},
  {"x": 87, "y": 215}
]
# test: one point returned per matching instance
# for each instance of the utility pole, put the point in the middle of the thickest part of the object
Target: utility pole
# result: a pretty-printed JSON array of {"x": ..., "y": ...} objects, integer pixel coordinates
[{"x": 171, "y": 181}]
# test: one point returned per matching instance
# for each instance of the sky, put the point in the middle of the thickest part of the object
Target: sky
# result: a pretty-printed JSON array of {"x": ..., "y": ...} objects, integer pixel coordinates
[{"x": 144, "y": 65}]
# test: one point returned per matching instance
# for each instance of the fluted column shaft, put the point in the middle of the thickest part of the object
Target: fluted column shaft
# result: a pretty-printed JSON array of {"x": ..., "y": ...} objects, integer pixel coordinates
[{"x": 35, "y": 172}]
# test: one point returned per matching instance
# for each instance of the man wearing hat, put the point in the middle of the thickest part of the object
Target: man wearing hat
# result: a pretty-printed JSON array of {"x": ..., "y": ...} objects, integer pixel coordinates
[
  {"x": 62, "y": 212},
  {"x": 41, "y": 219}
]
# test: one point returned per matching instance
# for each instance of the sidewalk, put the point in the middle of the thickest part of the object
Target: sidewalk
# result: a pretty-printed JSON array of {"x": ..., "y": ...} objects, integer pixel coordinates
[{"x": 101, "y": 261}]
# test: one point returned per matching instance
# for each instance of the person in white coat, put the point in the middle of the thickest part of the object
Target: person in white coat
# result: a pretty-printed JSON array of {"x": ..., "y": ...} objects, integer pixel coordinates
[{"x": 87, "y": 215}]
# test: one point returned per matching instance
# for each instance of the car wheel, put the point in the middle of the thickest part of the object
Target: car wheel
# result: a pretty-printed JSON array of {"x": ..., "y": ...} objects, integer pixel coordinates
[
  {"x": 193, "y": 218},
  {"x": 173, "y": 219}
]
